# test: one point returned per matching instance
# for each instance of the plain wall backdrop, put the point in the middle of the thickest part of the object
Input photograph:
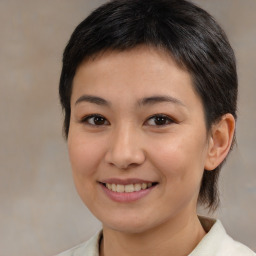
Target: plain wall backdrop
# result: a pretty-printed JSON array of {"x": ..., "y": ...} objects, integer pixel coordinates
[{"x": 40, "y": 212}]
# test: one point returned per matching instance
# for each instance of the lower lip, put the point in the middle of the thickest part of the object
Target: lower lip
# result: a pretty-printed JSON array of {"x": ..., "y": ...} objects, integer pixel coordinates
[{"x": 126, "y": 197}]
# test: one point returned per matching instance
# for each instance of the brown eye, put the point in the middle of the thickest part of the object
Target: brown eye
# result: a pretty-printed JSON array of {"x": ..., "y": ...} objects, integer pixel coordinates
[
  {"x": 96, "y": 120},
  {"x": 159, "y": 120}
]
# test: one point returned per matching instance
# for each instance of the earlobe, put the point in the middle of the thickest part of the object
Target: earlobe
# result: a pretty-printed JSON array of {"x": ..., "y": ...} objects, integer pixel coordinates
[{"x": 220, "y": 141}]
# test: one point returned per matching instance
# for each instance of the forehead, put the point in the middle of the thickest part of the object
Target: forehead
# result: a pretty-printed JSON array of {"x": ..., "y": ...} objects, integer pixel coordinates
[
  {"x": 142, "y": 58},
  {"x": 136, "y": 72}
]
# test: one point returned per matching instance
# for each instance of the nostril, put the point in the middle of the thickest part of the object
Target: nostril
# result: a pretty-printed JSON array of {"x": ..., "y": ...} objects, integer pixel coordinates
[{"x": 124, "y": 155}]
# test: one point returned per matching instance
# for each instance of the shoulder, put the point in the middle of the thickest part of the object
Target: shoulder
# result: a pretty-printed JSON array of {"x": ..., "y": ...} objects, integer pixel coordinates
[
  {"x": 218, "y": 242},
  {"x": 88, "y": 248}
]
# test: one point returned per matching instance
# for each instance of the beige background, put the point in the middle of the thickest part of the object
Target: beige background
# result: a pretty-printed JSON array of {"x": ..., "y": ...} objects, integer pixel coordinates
[{"x": 40, "y": 212}]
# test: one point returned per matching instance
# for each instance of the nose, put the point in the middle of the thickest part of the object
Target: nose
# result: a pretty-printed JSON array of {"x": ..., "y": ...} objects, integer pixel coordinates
[{"x": 125, "y": 149}]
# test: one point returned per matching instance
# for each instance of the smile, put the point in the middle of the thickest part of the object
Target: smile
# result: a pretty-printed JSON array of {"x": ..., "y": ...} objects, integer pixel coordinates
[
  {"x": 126, "y": 191},
  {"x": 129, "y": 188}
]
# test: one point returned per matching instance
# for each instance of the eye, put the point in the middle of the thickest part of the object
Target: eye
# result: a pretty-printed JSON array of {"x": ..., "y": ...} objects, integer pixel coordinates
[
  {"x": 95, "y": 120},
  {"x": 159, "y": 120}
]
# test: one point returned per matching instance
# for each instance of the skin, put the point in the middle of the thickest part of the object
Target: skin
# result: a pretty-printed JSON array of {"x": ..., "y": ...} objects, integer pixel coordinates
[{"x": 129, "y": 143}]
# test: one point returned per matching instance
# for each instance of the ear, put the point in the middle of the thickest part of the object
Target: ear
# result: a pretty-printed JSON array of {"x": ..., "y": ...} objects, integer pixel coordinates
[{"x": 220, "y": 141}]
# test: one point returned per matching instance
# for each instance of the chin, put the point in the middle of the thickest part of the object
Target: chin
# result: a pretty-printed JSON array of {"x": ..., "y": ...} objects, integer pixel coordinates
[
  {"x": 130, "y": 224},
  {"x": 129, "y": 228},
  {"x": 125, "y": 223}
]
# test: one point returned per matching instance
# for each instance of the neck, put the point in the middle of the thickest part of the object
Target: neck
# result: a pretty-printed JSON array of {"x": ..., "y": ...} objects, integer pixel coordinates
[{"x": 179, "y": 236}]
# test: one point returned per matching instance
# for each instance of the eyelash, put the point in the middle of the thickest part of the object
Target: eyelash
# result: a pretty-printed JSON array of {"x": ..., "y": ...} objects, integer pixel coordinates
[
  {"x": 161, "y": 117},
  {"x": 93, "y": 116}
]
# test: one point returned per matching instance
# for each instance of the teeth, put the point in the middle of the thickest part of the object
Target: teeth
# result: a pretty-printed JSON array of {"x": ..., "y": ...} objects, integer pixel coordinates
[
  {"x": 144, "y": 185},
  {"x": 137, "y": 187},
  {"x": 128, "y": 188},
  {"x": 119, "y": 188},
  {"x": 113, "y": 187}
]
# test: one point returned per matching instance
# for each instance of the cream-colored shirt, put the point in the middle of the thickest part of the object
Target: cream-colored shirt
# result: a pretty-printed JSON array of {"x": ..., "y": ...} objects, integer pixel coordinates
[{"x": 215, "y": 243}]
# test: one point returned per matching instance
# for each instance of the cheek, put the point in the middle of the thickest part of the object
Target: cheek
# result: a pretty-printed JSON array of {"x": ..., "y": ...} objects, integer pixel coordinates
[
  {"x": 180, "y": 164},
  {"x": 85, "y": 155},
  {"x": 180, "y": 159}
]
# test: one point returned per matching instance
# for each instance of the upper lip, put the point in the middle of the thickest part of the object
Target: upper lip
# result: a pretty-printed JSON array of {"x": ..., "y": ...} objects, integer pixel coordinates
[{"x": 126, "y": 181}]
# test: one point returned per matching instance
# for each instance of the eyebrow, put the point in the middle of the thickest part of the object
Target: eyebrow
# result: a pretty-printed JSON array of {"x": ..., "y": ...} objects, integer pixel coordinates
[
  {"x": 159, "y": 99},
  {"x": 142, "y": 102},
  {"x": 92, "y": 99}
]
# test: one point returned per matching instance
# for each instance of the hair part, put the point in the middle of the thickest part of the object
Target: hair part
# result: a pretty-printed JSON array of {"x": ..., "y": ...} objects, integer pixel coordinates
[{"x": 188, "y": 33}]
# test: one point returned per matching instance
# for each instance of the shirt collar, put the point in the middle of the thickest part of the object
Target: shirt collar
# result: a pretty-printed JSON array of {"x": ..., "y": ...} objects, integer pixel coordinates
[{"x": 208, "y": 246}]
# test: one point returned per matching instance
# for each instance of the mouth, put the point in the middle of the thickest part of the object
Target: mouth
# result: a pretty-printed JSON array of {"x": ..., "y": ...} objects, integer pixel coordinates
[{"x": 128, "y": 188}]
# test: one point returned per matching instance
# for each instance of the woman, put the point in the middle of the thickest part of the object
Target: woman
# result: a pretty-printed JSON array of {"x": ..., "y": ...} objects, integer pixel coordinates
[{"x": 149, "y": 91}]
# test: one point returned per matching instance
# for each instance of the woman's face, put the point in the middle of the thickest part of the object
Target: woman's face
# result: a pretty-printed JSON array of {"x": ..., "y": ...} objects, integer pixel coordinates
[{"x": 137, "y": 140}]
